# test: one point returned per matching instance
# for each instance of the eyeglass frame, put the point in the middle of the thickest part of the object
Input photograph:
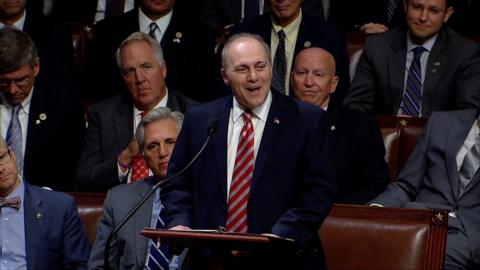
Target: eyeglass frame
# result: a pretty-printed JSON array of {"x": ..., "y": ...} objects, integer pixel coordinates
[{"x": 20, "y": 83}]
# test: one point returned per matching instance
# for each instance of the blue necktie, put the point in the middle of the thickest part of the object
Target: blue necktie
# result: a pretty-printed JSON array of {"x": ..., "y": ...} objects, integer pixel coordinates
[
  {"x": 152, "y": 30},
  {"x": 158, "y": 257},
  {"x": 279, "y": 64},
  {"x": 14, "y": 137},
  {"x": 412, "y": 97},
  {"x": 391, "y": 7}
]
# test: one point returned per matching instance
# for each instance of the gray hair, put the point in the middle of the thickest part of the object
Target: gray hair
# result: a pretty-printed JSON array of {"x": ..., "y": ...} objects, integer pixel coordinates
[
  {"x": 156, "y": 115},
  {"x": 234, "y": 38},
  {"x": 140, "y": 36},
  {"x": 16, "y": 50}
]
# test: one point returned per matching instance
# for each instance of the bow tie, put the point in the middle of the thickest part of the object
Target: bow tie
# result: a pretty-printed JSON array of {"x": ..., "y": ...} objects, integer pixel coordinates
[{"x": 13, "y": 203}]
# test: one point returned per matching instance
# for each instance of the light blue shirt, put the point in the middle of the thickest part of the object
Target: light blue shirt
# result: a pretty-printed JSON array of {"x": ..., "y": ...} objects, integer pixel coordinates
[
  {"x": 156, "y": 208},
  {"x": 12, "y": 234}
]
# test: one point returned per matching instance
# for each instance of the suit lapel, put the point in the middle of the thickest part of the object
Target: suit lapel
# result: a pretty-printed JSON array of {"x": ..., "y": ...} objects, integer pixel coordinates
[
  {"x": 123, "y": 122},
  {"x": 142, "y": 221},
  {"x": 396, "y": 69},
  {"x": 34, "y": 225},
  {"x": 275, "y": 122},
  {"x": 456, "y": 136},
  {"x": 172, "y": 102},
  {"x": 219, "y": 142},
  {"x": 434, "y": 70}
]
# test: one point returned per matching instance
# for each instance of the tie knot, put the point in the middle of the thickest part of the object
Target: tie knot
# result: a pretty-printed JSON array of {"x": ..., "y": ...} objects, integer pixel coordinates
[
  {"x": 13, "y": 203},
  {"x": 16, "y": 109},
  {"x": 417, "y": 51},
  {"x": 152, "y": 31},
  {"x": 281, "y": 35}
]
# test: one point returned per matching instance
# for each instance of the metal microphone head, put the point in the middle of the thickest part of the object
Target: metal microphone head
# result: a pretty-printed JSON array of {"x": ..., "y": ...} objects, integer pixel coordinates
[{"x": 212, "y": 126}]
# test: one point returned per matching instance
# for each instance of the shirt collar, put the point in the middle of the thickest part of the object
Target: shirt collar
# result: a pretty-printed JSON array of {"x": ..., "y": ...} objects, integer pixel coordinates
[
  {"x": 163, "y": 22},
  {"x": 260, "y": 112},
  {"x": 18, "y": 24},
  {"x": 290, "y": 30},
  {"x": 428, "y": 45},
  {"x": 161, "y": 103}
]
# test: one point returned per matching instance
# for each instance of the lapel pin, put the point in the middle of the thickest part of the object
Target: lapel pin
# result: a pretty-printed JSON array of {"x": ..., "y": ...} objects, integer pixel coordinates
[
  {"x": 436, "y": 64},
  {"x": 307, "y": 44},
  {"x": 332, "y": 128},
  {"x": 276, "y": 121},
  {"x": 41, "y": 117},
  {"x": 178, "y": 37},
  {"x": 38, "y": 215},
  {"x": 37, "y": 122}
]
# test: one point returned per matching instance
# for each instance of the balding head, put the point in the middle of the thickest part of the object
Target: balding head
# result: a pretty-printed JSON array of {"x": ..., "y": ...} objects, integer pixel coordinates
[{"x": 313, "y": 76}]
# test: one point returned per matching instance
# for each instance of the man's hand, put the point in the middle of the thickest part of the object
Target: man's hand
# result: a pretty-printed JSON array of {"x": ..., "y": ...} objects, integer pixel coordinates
[
  {"x": 126, "y": 156},
  {"x": 180, "y": 228},
  {"x": 373, "y": 28}
]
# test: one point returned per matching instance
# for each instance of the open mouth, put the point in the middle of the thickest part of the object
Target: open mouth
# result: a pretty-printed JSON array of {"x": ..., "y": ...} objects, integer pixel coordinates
[{"x": 253, "y": 88}]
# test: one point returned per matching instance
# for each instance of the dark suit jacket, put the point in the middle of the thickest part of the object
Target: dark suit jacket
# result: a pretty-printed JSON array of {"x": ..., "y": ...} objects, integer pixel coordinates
[
  {"x": 452, "y": 77},
  {"x": 191, "y": 63},
  {"x": 54, "y": 235},
  {"x": 358, "y": 155},
  {"x": 53, "y": 145},
  {"x": 312, "y": 33},
  {"x": 130, "y": 248},
  {"x": 55, "y": 47},
  {"x": 430, "y": 176},
  {"x": 68, "y": 11},
  {"x": 292, "y": 187},
  {"x": 110, "y": 130}
]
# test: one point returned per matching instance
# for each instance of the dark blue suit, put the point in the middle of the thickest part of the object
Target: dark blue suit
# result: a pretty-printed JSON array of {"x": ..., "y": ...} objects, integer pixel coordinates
[
  {"x": 292, "y": 188},
  {"x": 312, "y": 32},
  {"x": 54, "y": 235}
]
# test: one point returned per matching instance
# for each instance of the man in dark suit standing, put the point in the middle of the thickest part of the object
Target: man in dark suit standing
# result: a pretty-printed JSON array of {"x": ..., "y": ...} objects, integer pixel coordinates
[
  {"x": 356, "y": 140},
  {"x": 41, "y": 229},
  {"x": 110, "y": 152},
  {"x": 265, "y": 170},
  {"x": 439, "y": 174},
  {"x": 417, "y": 69},
  {"x": 188, "y": 47},
  {"x": 52, "y": 39},
  {"x": 299, "y": 30},
  {"x": 41, "y": 118}
]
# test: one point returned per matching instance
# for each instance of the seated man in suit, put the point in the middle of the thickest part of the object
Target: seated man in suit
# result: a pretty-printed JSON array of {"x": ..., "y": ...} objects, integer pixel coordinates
[
  {"x": 288, "y": 30},
  {"x": 356, "y": 141},
  {"x": 111, "y": 155},
  {"x": 417, "y": 69},
  {"x": 40, "y": 229},
  {"x": 188, "y": 48},
  {"x": 442, "y": 173},
  {"x": 52, "y": 38},
  {"x": 265, "y": 170},
  {"x": 156, "y": 136},
  {"x": 41, "y": 119}
]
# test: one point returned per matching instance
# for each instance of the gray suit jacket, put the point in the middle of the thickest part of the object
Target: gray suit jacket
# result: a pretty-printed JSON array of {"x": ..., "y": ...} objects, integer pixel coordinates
[
  {"x": 130, "y": 248},
  {"x": 110, "y": 130},
  {"x": 430, "y": 175},
  {"x": 452, "y": 78}
]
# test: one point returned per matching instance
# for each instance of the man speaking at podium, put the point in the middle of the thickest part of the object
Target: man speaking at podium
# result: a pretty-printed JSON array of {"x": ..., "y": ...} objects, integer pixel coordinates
[{"x": 265, "y": 170}]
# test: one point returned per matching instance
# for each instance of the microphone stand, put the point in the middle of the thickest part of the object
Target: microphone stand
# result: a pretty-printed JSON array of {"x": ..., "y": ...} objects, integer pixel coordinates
[{"x": 211, "y": 128}]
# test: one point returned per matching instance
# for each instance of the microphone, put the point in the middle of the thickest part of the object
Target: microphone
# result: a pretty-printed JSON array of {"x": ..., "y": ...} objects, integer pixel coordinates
[{"x": 211, "y": 128}]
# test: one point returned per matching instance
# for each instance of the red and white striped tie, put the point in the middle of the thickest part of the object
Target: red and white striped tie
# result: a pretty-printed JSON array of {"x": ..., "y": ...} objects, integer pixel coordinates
[{"x": 242, "y": 178}]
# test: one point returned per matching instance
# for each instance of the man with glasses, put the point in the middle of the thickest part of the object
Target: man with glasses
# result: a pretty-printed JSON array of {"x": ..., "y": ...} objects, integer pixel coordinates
[
  {"x": 39, "y": 229},
  {"x": 40, "y": 119}
]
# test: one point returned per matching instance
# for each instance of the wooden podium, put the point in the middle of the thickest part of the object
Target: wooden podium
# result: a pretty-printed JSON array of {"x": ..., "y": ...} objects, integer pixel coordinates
[{"x": 221, "y": 243}]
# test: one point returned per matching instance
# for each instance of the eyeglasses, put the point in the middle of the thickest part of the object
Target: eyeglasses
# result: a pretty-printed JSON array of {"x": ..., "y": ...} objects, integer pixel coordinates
[
  {"x": 20, "y": 83},
  {"x": 5, "y": 157}
]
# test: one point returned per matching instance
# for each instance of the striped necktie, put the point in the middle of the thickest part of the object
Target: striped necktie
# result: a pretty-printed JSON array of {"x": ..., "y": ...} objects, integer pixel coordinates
[
  {"x": 14, "y": 137},
  {"x": 153, "y": 29},
  {"x": 158, "y": 257},
  {"x": 280, "y": 64},
  {"x": 391, "y": 8},
  {"x": 470, "y": 165},
  {"x": 241, "y": 178},
  {"x": 412, "y": 97}
]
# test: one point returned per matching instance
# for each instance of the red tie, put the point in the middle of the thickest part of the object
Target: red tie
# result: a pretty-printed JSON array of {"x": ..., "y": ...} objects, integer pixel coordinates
[
  {"x": 139, "y": 166},
  {"x": 242, "y": 178}
]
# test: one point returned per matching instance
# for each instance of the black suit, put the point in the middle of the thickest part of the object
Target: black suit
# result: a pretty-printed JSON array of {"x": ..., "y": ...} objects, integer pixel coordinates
[
  {"x": 312, "y": 33},
  {"x": 53, "y": 144},
  {"x": 55, "y": 47},
  {"x": 451, "y": 82},
  {"x": 110, "y": 130},
  {"x": 188, "y": 49},
  {"x": 358, "y": 155}
]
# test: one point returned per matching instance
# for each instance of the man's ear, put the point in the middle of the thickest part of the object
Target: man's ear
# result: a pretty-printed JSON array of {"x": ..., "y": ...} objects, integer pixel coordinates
[
  {"x": 334, "y": 84},
  {"x": 225, "y": 76}
]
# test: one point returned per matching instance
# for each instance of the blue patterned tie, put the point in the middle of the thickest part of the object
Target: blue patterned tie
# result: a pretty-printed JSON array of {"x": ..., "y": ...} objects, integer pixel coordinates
[
  {"x": 470, "y": 165},
  {"x": 158, "y": 257},
  {"x": 14, "y": 137},
  {"x": 412, "y": 97},
  {"x": 152, "y": 30},
  {"x": 391, "y": 7},
  {"x": 280, "y": 64}
]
